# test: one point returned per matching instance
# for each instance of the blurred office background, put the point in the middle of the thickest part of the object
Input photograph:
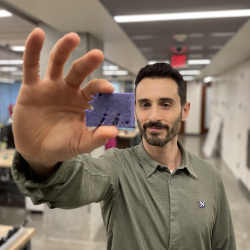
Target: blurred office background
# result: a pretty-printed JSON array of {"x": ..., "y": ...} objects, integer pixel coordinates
[{"x": 208, "y": 41}]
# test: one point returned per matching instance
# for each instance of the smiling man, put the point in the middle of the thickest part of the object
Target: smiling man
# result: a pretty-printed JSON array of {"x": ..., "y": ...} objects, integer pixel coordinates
[
  {"x": 160, "y": 107},
  {"x": 153, "y": 108},
  {"x": 154, "y": 196}
]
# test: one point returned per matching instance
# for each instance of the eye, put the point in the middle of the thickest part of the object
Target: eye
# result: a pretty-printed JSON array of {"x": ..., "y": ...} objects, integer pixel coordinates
[
  {"x": 166, "y": 104},
  {"x": 145, "y": 104}
]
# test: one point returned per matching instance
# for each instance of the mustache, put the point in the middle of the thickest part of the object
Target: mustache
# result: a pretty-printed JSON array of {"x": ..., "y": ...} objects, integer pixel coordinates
[{"x": 158, "y": 125}]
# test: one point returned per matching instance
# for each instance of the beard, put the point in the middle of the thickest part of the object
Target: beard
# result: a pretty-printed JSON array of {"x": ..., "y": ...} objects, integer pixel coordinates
[{"x": 154, "y": 138}]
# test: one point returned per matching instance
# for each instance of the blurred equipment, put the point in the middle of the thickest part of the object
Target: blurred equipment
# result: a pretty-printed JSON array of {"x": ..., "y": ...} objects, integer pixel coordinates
[{"x": 6, "y": 136}]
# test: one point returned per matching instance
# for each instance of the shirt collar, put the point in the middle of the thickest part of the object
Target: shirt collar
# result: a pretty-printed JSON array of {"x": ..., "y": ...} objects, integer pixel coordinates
[{"x": 150, "y": 166}]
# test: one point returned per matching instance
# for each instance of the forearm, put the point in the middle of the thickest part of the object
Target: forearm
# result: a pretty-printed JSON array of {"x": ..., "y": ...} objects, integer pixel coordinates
[{"x": 73, "y": 183}]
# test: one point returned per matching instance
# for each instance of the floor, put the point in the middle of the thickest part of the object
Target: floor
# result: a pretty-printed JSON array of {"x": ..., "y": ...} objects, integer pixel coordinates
[{"x": 239, "y": 203}]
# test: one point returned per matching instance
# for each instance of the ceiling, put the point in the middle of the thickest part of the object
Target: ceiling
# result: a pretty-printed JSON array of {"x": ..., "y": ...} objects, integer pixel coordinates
[
  {"x": 13, "y": 31},
  {"x": 203, "y": 39}
]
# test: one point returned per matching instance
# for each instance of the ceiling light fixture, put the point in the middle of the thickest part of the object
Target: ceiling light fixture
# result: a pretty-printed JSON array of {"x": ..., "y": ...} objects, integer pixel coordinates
[
  {"x": 188, "y": 78},
  {"x": 110, "y": 67},
  {"x": 199, "y": 62},
  {"x": 153, "y": 62},
  {"x": 5, "y": 13},
  {"x": 196, "y": 56},
  {"x": 182, "y": 16},
  {"x": 195, "y": 47},
  {"x": 8, "y": 69},
  {"x": 190, "y": 72},
  {"x": 18, "y": 48},
  {"x": 115, "y": 73},
  {"x": 17, "y": 73},
  {"x": 222, "y": 34},
  {"x": 11, "y": 62},
  {"x": 208, "y": 79},
  {"x": 6, "y": 80},
  {"x": 196, "y": 35}
]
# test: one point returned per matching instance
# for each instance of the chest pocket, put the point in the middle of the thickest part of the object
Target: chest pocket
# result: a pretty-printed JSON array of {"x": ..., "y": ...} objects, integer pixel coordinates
[{"x": 197, "y": 213}]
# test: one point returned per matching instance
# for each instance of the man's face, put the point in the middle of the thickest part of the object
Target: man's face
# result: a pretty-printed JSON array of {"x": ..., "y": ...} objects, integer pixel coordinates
[{"x": 158, "y": 110}]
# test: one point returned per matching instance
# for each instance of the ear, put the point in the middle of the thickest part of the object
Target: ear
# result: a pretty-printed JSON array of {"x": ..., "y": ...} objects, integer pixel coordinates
[{"x": 185, "y": 111}]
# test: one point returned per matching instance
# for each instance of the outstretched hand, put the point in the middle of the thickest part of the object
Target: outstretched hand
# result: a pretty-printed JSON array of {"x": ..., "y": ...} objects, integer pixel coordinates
[{"x": 49, "y": 117}]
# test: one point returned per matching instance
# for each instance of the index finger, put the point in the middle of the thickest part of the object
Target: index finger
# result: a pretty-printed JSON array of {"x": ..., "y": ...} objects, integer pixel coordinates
[{"x": 31, "y": 56}]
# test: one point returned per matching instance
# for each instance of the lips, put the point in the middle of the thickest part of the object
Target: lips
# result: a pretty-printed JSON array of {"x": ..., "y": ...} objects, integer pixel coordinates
[{"x": 155, "y": 129}]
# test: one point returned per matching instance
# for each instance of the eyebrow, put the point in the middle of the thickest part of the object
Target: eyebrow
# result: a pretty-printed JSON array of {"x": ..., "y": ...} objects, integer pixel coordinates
[
  {"x": 163, "y": 99},
  {"x": 167, "y": 99},
  {"x": 143, "y": 100}
]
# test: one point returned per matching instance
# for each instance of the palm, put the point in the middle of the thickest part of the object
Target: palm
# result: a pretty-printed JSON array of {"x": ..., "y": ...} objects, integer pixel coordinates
[{"x": 49, "y": 118}]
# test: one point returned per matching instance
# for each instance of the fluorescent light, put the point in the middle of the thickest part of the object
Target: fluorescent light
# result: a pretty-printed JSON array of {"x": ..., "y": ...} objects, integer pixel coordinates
[
  {"x": 182, "y": 16},
  {"x": 196, "y": 35},
  {"x": 8, "y": 69},
  {"x": 17, "y": 48},
  {"x": 195, "y": 47},
  {"x": 208, "y": 79},
  {"x": 17, "y": 73},
  {"x": 142, "y": 37},
  {"x": 198, "y": 62},
  {"x": 153, "y": 62},
  {"x": 188, "y": 78},
  {"x": 196, "y": 55},
  {"x": 5, "y": 13},
  {"x": 222, "y": 34},
  {"x": 11, "y": 62},
  {"x": 110, "y": 67},
  {"x": 6, "y": 80},
  {"x": 115, "y": 73},
  {"x": 216, "y": 47},
  {"x": 189, "y": 72}
]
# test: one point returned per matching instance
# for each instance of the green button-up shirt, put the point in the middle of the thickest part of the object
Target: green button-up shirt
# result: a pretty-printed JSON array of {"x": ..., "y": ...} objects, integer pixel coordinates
[{"x": 144, "y": 206}]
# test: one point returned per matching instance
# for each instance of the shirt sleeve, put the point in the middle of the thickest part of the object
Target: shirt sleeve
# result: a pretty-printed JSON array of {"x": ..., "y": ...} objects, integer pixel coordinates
[
  {"x": 223, "y": 237},
  {"x": 76, "y": 182}
]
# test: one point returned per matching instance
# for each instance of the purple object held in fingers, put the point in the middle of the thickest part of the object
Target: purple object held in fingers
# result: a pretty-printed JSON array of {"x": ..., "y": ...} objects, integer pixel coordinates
[{"x": 115, "y": 109}]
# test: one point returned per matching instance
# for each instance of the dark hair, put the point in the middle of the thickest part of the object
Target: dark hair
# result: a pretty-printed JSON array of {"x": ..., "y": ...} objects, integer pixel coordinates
[{"x": 164, "y": 70}]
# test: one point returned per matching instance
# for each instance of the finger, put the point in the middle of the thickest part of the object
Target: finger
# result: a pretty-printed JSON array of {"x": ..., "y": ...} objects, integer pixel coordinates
[
  {"x": 96, "y": 86},
  {"x": 31, "y": 56},
  {"x": 102, "y": 134},
  {"x": 82, "y": 67},
  {"x": 60, "y": 53}
]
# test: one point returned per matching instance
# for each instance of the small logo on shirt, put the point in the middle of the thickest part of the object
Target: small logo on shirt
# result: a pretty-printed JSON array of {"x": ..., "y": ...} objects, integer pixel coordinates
[{"x": 202, "y": 204}]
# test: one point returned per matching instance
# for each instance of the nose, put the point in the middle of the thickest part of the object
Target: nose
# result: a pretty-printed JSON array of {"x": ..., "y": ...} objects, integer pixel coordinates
[{"x": 154, "y": 114}]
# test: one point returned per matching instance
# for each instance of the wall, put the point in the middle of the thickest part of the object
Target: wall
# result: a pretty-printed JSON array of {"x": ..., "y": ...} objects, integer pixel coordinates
[
  {"x": 8, "y": 95},
  {"x": 193, "y": 122},
  {"x": 230, "y": 98}
]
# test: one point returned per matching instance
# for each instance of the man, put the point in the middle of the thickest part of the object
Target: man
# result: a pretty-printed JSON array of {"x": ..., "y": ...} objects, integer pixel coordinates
[{"x": 155, "y": 195}]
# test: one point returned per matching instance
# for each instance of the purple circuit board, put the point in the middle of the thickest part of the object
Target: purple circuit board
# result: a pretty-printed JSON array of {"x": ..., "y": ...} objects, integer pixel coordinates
[{"x": 112, "y": 109}]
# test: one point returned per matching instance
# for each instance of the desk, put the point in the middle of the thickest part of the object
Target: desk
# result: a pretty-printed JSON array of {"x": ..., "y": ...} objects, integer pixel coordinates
[
  {"x": 9, "y": 193},
  {"x": 6, "y": 157},
  {"x": 22, "y": 240}
]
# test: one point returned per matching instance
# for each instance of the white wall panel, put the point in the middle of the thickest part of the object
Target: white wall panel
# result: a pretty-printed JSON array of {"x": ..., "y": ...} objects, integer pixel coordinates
[
  {"x": 231, "y": 95},
  {"x": 192, "y": 125}
]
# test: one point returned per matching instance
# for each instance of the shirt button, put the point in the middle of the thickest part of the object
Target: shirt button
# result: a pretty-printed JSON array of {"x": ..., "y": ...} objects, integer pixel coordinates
[{"x": 170, "y": 180}]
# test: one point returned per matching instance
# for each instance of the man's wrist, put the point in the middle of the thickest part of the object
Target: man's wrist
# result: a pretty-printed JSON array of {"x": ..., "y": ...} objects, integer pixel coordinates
[{"x": 41, "y": 169}]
